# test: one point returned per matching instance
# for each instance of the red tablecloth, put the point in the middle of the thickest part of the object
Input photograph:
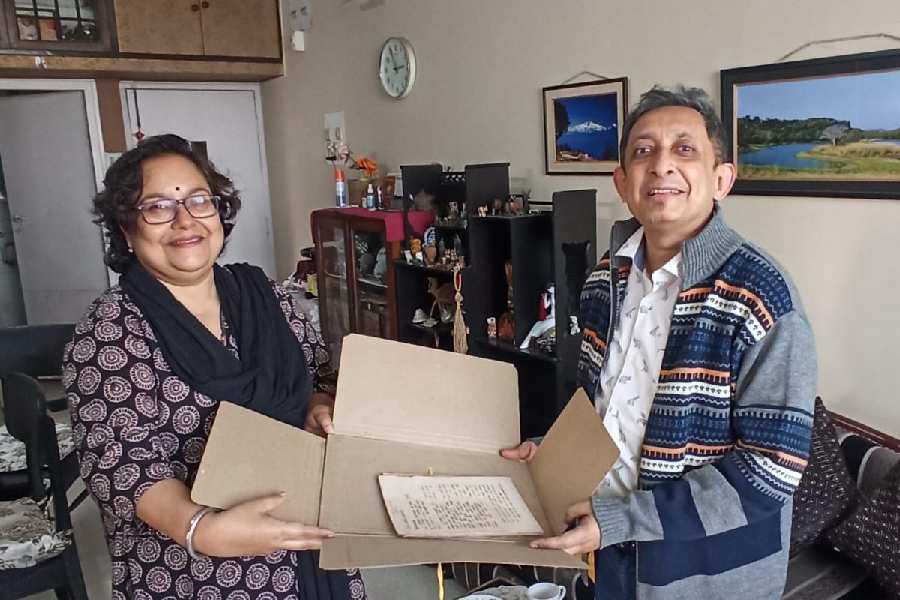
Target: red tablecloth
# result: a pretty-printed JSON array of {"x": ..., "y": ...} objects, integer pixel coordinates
[{"x": 393, "y": 219}]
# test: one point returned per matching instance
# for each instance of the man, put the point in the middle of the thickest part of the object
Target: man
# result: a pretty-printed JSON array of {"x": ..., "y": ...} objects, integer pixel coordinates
[{"x": 701, "y": 361}]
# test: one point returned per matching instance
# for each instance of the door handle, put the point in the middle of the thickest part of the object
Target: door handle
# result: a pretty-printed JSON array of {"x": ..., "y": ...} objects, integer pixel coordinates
[
  {"x": 195, "y": 7},
  {"x": 204, "y": 4},
  {"x": 17, "y": 219}
]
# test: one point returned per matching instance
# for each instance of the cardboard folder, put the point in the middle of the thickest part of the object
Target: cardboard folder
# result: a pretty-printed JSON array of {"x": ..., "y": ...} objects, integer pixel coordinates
[{"x": 406, "y": 409}]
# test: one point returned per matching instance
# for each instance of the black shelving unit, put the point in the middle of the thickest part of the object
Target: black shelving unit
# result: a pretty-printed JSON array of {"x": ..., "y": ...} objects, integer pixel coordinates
[{"x": 557, "y": 248}]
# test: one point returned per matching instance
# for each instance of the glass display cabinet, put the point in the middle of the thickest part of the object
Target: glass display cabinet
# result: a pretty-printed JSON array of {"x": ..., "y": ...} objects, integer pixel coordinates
[
  {"x": 64, "y": 25},
  {"x": 355, "y": 254}
]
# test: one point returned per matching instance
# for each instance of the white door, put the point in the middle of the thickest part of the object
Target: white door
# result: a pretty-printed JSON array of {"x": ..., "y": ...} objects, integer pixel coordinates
[
  {"x": 229, "y": 122},
  {"x": 50, "y": 181}
]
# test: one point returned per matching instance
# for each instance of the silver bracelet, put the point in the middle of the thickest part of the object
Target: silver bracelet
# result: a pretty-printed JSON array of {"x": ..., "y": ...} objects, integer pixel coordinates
[{"x": 192, "y": 527}]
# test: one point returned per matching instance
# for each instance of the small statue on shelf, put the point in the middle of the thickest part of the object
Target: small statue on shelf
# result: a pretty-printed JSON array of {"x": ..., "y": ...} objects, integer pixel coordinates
[
  {"x": 546, "y": 316},
  {"x": 492, "y": 328},
  {"x": 506, "y": 324},
  {"x": 452, "y": 217}
]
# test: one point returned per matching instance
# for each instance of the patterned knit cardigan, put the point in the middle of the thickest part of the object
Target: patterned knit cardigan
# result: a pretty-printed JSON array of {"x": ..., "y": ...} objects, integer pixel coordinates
[{"x": 729, "y": 430}]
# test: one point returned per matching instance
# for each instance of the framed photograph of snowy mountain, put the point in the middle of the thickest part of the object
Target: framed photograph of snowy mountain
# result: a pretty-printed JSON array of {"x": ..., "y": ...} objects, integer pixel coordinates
[
  {"x": 819, "y": 127},
  {"x": 581, "y": 126}
]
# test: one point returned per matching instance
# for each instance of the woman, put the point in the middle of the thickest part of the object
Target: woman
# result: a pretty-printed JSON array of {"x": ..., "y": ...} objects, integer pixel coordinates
[{"x": 150, "y": 362}]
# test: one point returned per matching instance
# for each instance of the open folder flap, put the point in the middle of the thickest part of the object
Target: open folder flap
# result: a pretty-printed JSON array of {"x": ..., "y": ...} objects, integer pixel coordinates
[
  {"x": 572, "y": 460},
  {"x": 405, "y": 393},
  {"x": 249, "y": 455}
]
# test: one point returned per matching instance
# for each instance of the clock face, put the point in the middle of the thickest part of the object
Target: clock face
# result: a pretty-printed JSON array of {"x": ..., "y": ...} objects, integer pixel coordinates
[{"x": 397, "y": 67}]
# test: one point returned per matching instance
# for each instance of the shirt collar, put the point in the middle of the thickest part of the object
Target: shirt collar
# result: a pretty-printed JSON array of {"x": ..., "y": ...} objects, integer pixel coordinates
[{"x": 633, "y": 249}]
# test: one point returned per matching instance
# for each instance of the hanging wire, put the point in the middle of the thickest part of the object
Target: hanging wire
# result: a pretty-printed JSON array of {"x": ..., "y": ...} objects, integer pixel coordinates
[
  {"x": 851, "y": 38},
  {"x": 582, "y": 73}
]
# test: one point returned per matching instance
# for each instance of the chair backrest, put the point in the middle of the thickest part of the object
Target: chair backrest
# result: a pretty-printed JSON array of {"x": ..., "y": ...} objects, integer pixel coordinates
[
  {"x": 27, "y": 421},
  {"x": 36, "y": 350}
]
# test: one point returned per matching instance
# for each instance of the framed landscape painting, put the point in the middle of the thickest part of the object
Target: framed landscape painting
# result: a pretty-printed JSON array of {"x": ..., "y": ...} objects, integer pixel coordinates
[
  {"x": 581, "y": 126},
  {"x": 821, "y": 127}
]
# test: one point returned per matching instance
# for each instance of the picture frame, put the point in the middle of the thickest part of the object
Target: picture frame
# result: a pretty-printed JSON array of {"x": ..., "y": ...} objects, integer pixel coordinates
[
  {"x": 582, "y": 126},
  {"x": 820, "y": 127}
]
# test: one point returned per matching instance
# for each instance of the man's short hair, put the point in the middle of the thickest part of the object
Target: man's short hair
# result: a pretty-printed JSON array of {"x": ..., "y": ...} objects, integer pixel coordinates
[{"x": 695, "y": 98}]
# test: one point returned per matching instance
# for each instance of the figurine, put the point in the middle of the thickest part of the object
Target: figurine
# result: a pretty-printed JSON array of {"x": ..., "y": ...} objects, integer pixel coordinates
[
  {"x": 506, "y": 325},
  {"x": 443, "y": 299},
  {"x": 457, "y": 246},
  {"x": 453, "y": 217},
  {"x": 492, "y": 327},
  {"x": 546, "y": 316}
]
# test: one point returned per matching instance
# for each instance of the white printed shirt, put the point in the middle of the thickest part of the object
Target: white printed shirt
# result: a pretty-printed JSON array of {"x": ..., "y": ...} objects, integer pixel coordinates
[{"x": 630, "y": 373}]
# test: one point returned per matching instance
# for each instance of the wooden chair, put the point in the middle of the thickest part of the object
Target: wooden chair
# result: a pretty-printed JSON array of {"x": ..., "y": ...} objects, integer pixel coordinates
[{"x": 37, "y": 550}]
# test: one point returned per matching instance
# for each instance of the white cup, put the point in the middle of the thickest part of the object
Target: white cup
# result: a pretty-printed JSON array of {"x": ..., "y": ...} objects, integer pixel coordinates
[{"x": 546, "y": 591}]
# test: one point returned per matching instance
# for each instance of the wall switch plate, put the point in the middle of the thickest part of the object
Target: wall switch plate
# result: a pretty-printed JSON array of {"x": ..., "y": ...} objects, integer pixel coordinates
[{"x": 298, "y": 41}]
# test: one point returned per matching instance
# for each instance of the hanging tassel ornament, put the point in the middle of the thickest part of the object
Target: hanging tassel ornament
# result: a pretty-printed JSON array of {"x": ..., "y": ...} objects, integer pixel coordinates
[{"x": 460, "y": 342}]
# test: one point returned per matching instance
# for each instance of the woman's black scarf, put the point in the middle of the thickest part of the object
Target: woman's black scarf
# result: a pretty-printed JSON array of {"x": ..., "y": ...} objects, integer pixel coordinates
[{"x": 271, "y": 376}]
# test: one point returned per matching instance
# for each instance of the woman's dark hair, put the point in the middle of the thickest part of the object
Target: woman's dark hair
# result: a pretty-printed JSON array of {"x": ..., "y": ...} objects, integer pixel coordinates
[{"x": 124, "y": 182}]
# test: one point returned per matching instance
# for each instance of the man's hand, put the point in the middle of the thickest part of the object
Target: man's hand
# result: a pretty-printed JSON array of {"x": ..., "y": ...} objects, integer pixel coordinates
[
  {"x": 524, "y": 452},
  {"x": 248, "y": 530},
  {"x": 318, "y": 416},
  {"x": 584, "y": 537}
]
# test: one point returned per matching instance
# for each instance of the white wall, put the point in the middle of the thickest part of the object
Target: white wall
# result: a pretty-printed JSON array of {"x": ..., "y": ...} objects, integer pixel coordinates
[{"x": 482, "y": 64}]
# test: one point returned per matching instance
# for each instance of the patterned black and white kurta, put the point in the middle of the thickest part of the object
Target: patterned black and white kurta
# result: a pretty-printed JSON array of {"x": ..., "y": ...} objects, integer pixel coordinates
[{"x": 135, "y": 423}]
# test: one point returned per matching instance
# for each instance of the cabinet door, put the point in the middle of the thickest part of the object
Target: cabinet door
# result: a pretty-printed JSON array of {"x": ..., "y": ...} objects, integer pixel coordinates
[
  {"x": 159, "y": 27},
  {"x": 58, "y": 25},
  {"x": 334, "y": 291},
  {"x": 247, "y": 28},
  {"x": 370, "y": 278}
]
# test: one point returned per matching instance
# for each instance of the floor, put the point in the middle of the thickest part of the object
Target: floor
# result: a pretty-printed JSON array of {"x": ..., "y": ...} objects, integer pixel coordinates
[{"x": 418, "y": 583}]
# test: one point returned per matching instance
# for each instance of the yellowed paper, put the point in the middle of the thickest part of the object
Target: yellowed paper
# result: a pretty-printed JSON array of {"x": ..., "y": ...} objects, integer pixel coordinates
[{"x": 456, "y": 507}]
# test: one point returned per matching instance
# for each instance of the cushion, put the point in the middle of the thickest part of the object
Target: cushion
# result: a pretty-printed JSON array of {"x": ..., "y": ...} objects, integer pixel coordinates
[
  {"x": 826, "y": 492},
  {"x": 28, "y": 535},
  {"x": 870, "y": 536},
  {"x": 12, "y": 451}
]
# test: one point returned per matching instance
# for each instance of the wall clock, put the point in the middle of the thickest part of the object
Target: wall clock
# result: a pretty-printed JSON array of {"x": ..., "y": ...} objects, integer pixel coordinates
[{"x": 397, "y": 67}]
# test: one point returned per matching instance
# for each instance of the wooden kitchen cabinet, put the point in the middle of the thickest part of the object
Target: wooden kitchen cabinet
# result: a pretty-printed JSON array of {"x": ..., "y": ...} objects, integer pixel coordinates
[
  {"x": 159, "y": 27},
  {"x": 226, "y": 28},
  {"x": 245, "y": 28}
]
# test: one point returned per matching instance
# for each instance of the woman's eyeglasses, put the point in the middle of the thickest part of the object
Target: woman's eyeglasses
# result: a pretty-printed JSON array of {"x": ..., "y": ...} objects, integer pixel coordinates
[{"x": 163, "y": 210}]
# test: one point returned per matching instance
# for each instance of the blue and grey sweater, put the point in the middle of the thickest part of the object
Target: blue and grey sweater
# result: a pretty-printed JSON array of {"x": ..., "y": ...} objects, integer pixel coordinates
[{"x": 729, "y": 431}]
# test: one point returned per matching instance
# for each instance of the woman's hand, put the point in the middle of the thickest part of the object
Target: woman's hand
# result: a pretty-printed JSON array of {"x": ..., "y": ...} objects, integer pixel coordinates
[
  {"x": 248, "y": 530},
  {"x": 524, "y": 452},
  {"x": 318, "y": 415}
]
